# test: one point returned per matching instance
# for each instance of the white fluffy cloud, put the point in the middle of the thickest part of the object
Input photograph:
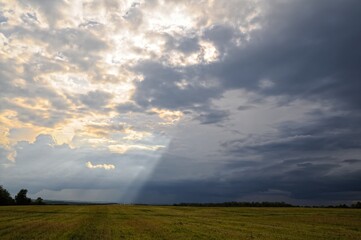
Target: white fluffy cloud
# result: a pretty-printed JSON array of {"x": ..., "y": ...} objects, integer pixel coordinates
[{"x": 104, "y": 166}]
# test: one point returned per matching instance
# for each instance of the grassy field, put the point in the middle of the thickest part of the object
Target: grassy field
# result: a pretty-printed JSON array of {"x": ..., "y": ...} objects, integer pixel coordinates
[{"x": 158, "y": 222}]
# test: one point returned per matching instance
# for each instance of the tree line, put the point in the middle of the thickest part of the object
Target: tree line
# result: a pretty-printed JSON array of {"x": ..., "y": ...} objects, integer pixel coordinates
[
  {"x": 237, "y": 204},
  {"x": 262, "y": 204},
  {"x": 20, "y": 198}
]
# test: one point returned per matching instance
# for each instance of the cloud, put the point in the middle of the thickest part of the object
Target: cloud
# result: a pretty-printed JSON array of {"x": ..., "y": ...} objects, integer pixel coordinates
[
  {"x": 214, "y": 101},
  {"x": 3, "y": 19},
  {"x": 212, "y": 116},
  {"x": 352, "y": 161},
  {"x": 29, "y": 18},
  {"x": 45, "y": 167},
  {"x": 104, "y": 166},
  {"x": 96, "y": 99},
  {"x": 305, "y": 182},
  {"x": 297, "y": 50},
  {"x": 124, "y": 148}
]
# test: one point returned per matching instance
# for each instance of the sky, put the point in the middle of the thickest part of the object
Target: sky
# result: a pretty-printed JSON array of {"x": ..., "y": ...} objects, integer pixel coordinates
[{"x": 181, "y": 101}]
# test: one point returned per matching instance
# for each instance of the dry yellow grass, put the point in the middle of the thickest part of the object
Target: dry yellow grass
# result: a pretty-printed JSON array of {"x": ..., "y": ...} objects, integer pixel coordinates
[{"x": 165, "y": 222}]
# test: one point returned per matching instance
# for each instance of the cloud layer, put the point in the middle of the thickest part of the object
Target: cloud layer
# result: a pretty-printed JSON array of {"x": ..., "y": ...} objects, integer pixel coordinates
[{"x": 214, "y": 101}]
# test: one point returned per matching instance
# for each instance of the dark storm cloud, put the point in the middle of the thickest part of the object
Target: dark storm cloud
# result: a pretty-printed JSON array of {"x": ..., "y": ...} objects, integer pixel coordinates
[
  {"x": 159, "y": 88},
  {"x": 300, "y": 178},
  {"x": 325, "y": 133},
  {"x": 298, "y": 144},
  {"x": 352, "y": 161},
  {"x": 306, "y": 177},
  {"x": 303, "y": 175},
  {"x": 213, "y": 116},
  {"x": 221, "y": 36},
  {"x": 305, "y": 50}
]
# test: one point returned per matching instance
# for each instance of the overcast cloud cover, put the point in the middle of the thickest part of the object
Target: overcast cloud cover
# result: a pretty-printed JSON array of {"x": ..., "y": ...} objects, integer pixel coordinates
[{"x": 181, "y": 101}]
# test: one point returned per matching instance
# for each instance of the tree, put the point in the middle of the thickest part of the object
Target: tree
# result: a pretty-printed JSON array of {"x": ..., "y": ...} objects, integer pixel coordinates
[
  {"x": 21, "y": 198},
  {"x": 356, "y": 205},
  {"x": 5, "y": 197},
  {"x": 39, "y": 201}
]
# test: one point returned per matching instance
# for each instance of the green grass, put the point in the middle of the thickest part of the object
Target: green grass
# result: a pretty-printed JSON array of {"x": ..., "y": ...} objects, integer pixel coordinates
[{"x": 158, "y": 222}]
